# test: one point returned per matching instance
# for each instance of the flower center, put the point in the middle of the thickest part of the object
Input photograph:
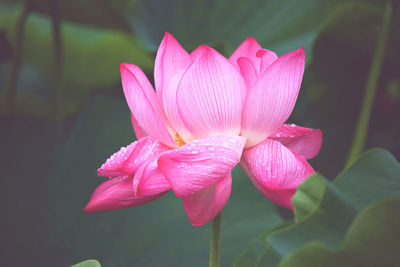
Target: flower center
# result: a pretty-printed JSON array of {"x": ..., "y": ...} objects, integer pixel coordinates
[{"x": 178, "y": 140}]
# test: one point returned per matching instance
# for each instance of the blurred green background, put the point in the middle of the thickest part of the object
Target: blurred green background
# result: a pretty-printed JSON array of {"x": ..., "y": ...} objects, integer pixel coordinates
[{"x": 68, "y": 115}]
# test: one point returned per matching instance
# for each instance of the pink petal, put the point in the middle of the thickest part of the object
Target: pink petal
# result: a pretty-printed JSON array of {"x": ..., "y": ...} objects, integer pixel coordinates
[
  {"x": 247, "y": 70},
  {"x": 201, "y": 163},
  {"x": 203, "y": 206},
  {"x": 116, "y": 193},
  {"x": 271, "y": 100},
  {"x": 170, "y": 59},
  {"x": 143, "y": 103},
  {"x": 248, "y": 49},
  {"x": 139, "y": 132},
  {"x": 209, "y": 95},
  {"x": 304, "y": 141},
  {"x": 128, "y": 159},
  {"x": 275, "y": 170},
  {"x": 171, "y": 108},
  {"x": 267, "y": 58},
  {"x": 113, "y": 165},
  {"x": 149, "y": 180}
]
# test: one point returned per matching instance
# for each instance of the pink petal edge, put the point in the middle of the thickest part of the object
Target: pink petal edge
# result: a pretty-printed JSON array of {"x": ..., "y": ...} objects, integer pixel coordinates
[
  {"x": 171, "y": 108},
  {"x": 144, "y": 104},
  {"x": 139, "y": 132},
  {"x": 248, "y": 71}
]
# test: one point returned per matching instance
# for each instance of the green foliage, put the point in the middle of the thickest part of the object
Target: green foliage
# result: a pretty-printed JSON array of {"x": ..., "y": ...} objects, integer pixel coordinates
[
  {"x": 107, "y": 14},
  {"x": 88, "y": 263},
  {"x": 91, "y": 59},
  {"x": 308, "y": 197},
  {"x": 278, "y": 27},
  {"x": 371, "y": 240},
  {"x": 334, "y": 221}
]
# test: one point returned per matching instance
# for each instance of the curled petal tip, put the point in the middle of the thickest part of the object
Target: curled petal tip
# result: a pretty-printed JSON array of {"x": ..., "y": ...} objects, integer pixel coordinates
[
  {"x": 202, "y": 49},
  {"x": 88, "y": 208},
  {"x": 300, "y": 52},
  {"x": 167, "y": 37},
  {"x": 123, "y": 65},
  {"x": 250, "y": 38},
  {"x": 204, "y": 46}
]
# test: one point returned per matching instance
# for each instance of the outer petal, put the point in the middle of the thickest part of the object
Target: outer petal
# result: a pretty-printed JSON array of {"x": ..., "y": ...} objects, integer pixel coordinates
[
  {"x": 270, "y": 102},
  {"x": 149, "y": 180},
  {"x": 139, "y": 132},
  {"x": 203, "y": 206},
  {"x": 170, "y": 59},
  {"x": 201, "y": 163},
  {"x": 143, "y": 103},
  {"x": 304, "y": 141},
  {"x": 116, "y": 193},
  {"x": 248, "y": 49},
  {"x": 209, "y": 95},
  {"x": 128, "y": 159},
  {"x": 275, "y": 170}
]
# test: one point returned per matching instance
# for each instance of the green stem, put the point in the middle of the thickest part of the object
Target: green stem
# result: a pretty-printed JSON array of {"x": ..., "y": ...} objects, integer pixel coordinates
[
  {"x": 12, "y": 78},
  {"x": 363, "y": 122},
  {"x": 215, "y": 242}
]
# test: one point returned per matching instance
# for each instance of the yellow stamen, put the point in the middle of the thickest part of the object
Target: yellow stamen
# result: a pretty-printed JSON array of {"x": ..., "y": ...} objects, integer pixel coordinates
[{"x": 178, "y": 140}]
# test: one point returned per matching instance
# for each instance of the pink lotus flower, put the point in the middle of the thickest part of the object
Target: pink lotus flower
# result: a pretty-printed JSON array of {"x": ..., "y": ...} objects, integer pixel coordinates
[{"x": 207, "y": 115}]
